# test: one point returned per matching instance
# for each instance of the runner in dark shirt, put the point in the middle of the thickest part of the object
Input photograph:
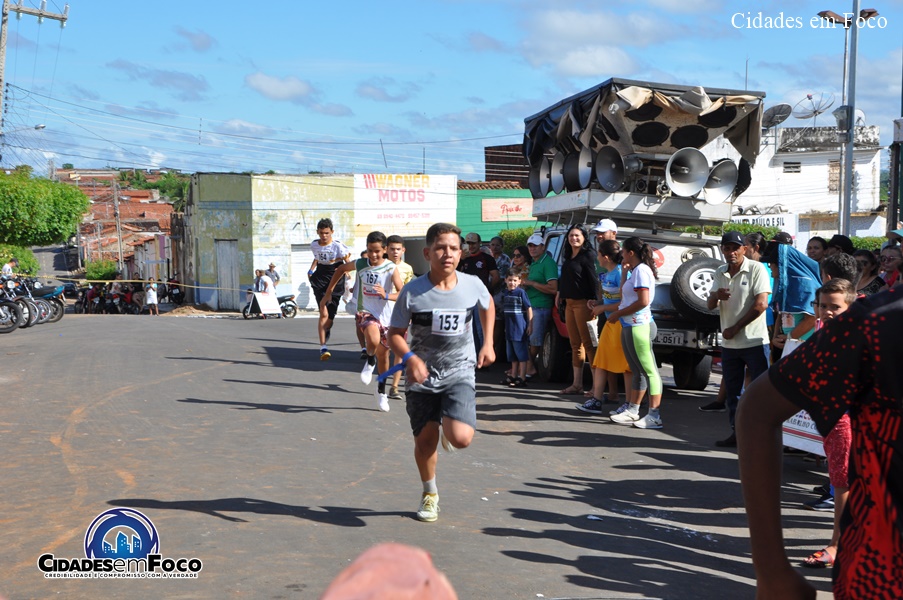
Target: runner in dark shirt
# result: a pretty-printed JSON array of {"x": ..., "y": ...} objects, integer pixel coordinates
[{"x": 852, "y": 364}]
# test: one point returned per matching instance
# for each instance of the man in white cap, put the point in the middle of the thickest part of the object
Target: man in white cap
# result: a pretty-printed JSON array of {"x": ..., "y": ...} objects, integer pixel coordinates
[
  {"x": 605, "y": 230},
  {"x": 272, "y": 274},
  {"x": 541, "y": 285}
]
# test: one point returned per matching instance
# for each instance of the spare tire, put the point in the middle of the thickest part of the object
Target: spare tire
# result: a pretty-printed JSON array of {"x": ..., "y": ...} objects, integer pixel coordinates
[{"x": 690, "y": 287}]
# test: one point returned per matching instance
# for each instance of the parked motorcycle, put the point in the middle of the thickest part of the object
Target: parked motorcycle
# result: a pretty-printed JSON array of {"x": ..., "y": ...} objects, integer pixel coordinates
[
  {"x": 288, "y": 306},
  {"x": 53, "y": 295},
  {"x": 174, "y": 290}
]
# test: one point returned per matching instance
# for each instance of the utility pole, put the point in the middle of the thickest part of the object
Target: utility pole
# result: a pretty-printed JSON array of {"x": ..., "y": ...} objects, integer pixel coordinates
[
  {"x": 20, "y": 10},
  {"x": 118, "y": 222}
]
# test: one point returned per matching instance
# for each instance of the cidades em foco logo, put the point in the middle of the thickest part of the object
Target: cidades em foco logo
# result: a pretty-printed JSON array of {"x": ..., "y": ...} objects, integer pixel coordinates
[{"x": 120, "y": 543}]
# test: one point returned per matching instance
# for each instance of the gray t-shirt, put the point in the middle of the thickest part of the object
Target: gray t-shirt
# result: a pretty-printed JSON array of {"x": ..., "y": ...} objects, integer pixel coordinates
[{"x": 441, "y": 328}]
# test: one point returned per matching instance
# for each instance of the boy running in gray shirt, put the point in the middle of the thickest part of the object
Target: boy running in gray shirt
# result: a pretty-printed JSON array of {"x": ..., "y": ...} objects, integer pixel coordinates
[{"x": 438, "y": 307}]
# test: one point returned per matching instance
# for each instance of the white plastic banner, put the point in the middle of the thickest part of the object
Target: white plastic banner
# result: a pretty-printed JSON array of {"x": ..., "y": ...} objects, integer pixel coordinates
[{"x": 265, "y": 304}]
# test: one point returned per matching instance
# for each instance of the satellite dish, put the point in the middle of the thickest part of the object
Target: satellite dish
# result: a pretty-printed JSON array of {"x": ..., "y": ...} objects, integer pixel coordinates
[
  {"x": 612, "y": 169},
  {"x": 859, "y": 118},
  {"x": 687, "y": 172},
  {"x": 776, "y": 115},
  {"x": 540, "y": 182},
  {"x": 578, "y": 170},
  {"x": 721, "y": 182},
  {"x": 557, "y": 175},
  {"x": 813, "y": 105}
]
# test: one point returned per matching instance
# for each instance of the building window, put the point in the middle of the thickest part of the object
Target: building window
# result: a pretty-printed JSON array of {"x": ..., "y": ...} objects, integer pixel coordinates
[
  {"x": 833, "y": 176},
  {"x": 792, "y": 167}
]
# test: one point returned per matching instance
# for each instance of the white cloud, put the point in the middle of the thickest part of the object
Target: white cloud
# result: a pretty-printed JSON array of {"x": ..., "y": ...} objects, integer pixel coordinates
[
  {"x": 294, "y": 90},
  {"x": 241, "y": 127},
  {"x": 199, "y": 41},
  {"x": 386, "y": 89},
  {"x": 289, "y": 88},
  {"x": 574, "y": 43}
]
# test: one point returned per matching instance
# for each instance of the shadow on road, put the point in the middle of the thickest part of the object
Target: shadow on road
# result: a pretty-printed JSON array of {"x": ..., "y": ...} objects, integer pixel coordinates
[{"x": 331, "y": 515}]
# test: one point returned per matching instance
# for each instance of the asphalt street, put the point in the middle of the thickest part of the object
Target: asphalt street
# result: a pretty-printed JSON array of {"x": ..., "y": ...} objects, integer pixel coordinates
[{"x": 276, "y": 470}]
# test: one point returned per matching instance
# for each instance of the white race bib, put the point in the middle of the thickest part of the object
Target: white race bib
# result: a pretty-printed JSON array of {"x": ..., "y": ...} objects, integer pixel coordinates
[{"x": 449, "y": 322}]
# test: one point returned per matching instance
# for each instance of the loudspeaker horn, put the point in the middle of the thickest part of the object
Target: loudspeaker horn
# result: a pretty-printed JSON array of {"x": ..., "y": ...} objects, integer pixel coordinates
[
  {"x": 539, "y": 178},
  {"x": 578, "y": 170},
  {"x": 687, "y": 172},
  {"x": 612, "y": 169},
  {"x": 558, "y": 172},
  {"x": 721, "y": 183}
]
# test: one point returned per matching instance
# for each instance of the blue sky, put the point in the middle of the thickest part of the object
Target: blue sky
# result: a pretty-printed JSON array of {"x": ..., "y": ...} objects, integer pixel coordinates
[{"x": 393, "y": 86}]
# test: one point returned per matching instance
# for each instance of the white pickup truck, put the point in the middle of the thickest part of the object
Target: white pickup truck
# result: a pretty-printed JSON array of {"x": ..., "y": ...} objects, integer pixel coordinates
[{"x": 651, "y": 157}]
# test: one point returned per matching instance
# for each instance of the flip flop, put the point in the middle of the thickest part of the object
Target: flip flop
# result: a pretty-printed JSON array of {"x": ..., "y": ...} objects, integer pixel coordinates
[
  {"x": 819, "y": 560},
  {"x": 571, "y": 389}
]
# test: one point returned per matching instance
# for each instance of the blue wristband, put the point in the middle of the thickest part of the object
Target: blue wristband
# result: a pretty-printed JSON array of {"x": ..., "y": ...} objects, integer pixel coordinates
[
  {"x": 311, "y": 272},
  {"x": 404, "y": 359}
]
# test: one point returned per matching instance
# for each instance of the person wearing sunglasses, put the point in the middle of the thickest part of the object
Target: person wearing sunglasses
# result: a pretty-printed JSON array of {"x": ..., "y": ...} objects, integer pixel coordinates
[
  {"x": 891, "y": 258},
  {"x": 870, "y": 282}
]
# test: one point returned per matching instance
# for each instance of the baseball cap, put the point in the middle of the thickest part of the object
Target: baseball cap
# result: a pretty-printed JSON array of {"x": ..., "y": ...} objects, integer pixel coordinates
[
  {"x": 535, "y": 240},
  {"x": 605, "y": 225},
  {"x": 472, "y": 237},
  {"x": 896, "y": 233},
  {"x": 272, "y": 264},
  {"x": 782, "y": 237},
  {"x": 733, "y": 237},
  {"x": 842, "y": 242}
]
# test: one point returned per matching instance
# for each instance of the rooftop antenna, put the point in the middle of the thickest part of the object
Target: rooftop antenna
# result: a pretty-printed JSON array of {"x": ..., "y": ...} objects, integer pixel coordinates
[
  {"x": 813, "y": 105},
  {"x": 773, "y": 117}
]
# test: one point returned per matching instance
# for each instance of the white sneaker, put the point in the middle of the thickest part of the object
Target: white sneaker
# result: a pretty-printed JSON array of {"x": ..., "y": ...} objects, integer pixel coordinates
[
  {"x": 618, "y": 410},
  {"x": 625, "y": 418},
  {"x": 649, "y": 422},
  {"x": 367, "y": 372},
  {"x": 382, "y": 401},
  {"x": 429, "y": 508}
]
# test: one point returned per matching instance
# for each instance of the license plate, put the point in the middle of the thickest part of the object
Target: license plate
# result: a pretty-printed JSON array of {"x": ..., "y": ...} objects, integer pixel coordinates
[{"x": 670, "y": 338}]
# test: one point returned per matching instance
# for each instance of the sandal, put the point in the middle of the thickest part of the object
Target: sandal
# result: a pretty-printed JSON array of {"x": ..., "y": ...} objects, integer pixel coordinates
[
  {"x": 508, "y": 380},
  {"x": 819, "y": 560},
  {"x": 572, "y": 389},
  {"x": 588, "y": 394},
  {"x": 517, "y": 383}
]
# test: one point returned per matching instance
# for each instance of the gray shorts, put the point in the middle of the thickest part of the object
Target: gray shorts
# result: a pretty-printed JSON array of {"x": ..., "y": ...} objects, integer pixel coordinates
[
  {"x": 541, "y": 319},
  {"x": 458, "y": 402}
]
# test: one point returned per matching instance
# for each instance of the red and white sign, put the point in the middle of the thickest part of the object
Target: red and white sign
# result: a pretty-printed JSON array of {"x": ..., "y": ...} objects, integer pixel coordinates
[
  {"x": 507, "y": 209},
  {"x": 403, "y": 204},
  {"x": 799, "y": 432}
]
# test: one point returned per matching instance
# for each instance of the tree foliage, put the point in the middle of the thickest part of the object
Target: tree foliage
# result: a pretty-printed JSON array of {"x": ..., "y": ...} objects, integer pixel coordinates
[
  {"x": 38, "y": 212},
  {"x": 172, "y": 187},
  {"x": 101, "y": 270},
  {"x": 27, "y": 262}
]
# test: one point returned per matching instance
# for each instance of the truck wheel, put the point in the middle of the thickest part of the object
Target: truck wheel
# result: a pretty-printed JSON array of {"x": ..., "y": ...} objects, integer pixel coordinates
[
  {"x": 691, "y": 370},
  {"x": 689, "y": 288},
  {"x": 553, "y": 365}
]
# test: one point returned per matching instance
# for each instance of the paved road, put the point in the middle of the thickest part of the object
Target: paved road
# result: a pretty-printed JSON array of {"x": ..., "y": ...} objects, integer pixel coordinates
[{"x": 276, "y": 470}]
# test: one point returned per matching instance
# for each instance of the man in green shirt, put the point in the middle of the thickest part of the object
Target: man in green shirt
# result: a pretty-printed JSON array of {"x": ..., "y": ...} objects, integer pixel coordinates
[
  {"x": 740, "y": 292},
  {"x": 541, "y": 285}
]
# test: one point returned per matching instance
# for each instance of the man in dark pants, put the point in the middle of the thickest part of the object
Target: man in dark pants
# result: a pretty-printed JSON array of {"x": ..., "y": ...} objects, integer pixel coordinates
[
  {"x": 740, "y": 291},
  {"x": 482, "y": 265}
]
